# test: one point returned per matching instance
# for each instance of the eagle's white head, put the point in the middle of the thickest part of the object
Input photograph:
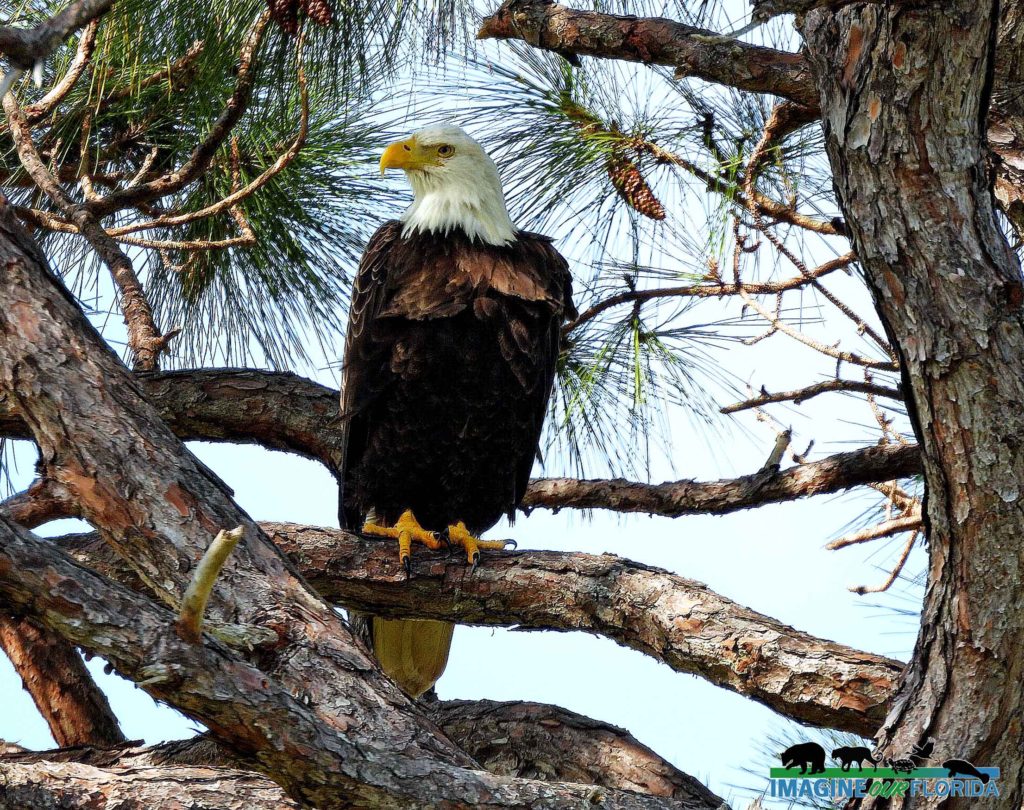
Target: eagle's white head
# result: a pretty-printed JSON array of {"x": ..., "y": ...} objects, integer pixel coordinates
[{"x": 455, "y": 184}]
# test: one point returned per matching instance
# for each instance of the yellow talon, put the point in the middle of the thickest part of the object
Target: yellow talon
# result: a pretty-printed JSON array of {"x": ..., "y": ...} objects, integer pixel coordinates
[
  {"x": 407, "y": 530},
  {"x": 459, "y": 535}
]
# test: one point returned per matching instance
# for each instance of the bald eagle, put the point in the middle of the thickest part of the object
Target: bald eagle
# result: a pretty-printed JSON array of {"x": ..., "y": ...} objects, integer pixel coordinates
[{"x": 453, "y": 338}]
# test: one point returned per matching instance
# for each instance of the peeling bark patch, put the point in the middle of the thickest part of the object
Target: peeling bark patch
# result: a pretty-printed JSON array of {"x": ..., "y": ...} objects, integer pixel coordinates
[
  {"x": 854, "y": 47},
  {"x": 179, "y": 499},
  {"x": 899, "y": 55},
  {"x": 26, "y": 319}
]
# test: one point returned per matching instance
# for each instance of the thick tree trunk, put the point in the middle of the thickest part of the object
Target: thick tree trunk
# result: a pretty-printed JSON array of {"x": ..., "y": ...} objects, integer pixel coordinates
[{"x": 904, "y": 96}]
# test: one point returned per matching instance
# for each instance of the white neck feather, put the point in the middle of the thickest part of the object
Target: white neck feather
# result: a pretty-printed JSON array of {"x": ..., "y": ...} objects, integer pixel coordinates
[{"x": 472, "y": 201}]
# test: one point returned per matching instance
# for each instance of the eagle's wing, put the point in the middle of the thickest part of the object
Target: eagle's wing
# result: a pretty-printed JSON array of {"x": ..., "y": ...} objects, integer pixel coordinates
[
  {"x": 559, "y": 291},
  {"x": 364, "y": 370}
]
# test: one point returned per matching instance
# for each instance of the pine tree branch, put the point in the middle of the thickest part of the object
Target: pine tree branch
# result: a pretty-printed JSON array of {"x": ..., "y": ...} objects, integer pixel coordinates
[
  {"x": 654, "y": 41},
  {"x": 83, "y": 54},
  {"x": 63, "y": 690},
  {"x": 519, "y": 739},
  {"x": 144, "y": 338},
  {"x": 43, "y": 784},
  {"x": 234, "y": 108},
  {"x": 674, "y": 498},
  {"x": 283, "y": 411},
  {"x": 803, "y": 394},
  {"x": 713, "y": 288},
  {"x": 249, "y": 709},
  {"x": 158, "y": 507},
  {"x": 674, "y": 620},
  {"x": 26, "y": 46}
]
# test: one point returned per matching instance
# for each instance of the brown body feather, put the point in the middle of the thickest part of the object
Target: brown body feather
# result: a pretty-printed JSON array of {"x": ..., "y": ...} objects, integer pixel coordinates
[{"x": 449, "y": 362}]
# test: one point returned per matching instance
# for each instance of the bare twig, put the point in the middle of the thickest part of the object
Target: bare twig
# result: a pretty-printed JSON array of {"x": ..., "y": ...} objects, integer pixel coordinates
[
  {"x": 803, "y": 394},
  {"x": 762, "y": 202},
  {"x": 774, "y": 460},
  {"x": 907, "y": 523},
  {"x": 40, "y": 109},
  {"x": 654, "y": 41},
  {"x": 193, "y": 604},
  {"x": 818, "y": 346},
  {"x": 710, "y": 289},
  {"x": 897, "y": 569}
]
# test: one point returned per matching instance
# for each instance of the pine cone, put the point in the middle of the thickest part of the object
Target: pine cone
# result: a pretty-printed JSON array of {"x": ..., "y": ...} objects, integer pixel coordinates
[
  {"x": 286, "y": 14},
  {"x": 633, "y": 188},
  {"x": 319, "y": 11}
]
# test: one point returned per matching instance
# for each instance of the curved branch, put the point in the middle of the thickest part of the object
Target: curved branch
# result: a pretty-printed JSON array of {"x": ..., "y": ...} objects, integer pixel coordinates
[
  {"x": 675, "y": 620},
  {"x": 283, "y": 411},
  {"x": 654, "y": 41},
  {"x": 674, "y": 498},
  {"x": 803, "y": 394}
]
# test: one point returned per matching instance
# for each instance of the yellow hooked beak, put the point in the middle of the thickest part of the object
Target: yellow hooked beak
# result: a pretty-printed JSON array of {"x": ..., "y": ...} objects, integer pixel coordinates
[{"x": 407, "y": 155}]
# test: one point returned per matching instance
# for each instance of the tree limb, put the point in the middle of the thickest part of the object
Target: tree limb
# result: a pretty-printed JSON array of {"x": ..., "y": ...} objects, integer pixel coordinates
[
  {"x": 803, "y": 394},
  {"x": 71, "y": 784},
  {"x": 283, "y": 411},
  {"x": 654, "y": 41},
  {"x": 529, "y": 740},
  {"x": 674, "y": 498},
  {"x": 26, "y": 46},
  {"x": 53, "y": 673},
  {"x": 278, "y": 731},
  {"x": 674, "y": 620}
]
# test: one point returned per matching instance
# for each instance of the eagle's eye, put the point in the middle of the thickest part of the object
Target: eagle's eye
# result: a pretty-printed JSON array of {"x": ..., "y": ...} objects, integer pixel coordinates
[{"x": 445, "y": 150}]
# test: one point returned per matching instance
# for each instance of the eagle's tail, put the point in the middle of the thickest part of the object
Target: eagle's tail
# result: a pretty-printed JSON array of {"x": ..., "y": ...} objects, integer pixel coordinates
[{"x": 413, "y": 652}]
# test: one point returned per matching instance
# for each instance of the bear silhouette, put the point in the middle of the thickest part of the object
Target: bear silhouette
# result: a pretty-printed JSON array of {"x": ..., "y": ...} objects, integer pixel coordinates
[
  {"x": 804, "y": 754},
  {"x": 847, "y": 755},
  {"x": 958, "y": 767}
]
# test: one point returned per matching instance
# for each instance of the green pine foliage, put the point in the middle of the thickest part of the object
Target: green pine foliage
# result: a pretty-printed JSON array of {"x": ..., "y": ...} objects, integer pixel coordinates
[{"x": 589, "y": 155}]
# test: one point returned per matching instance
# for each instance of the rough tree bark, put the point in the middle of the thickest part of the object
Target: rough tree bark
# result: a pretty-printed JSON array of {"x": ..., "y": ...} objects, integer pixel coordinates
[
  {"x": 904, "y": 96},
  {"x": 529, "y": 740},
  {"x": 675, "y": 620},
  {"x": 94, "y": 428},
  {"x": 54, "y": 674}
]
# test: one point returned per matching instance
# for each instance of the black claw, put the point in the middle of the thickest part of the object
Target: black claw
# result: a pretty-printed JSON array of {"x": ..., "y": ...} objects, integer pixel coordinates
[
  {"x": 446, "y": 538},
  {"x": 407, "y": 564},
  {"x": 510, "y": 544},
  {"x": 476, "y": 560}
]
